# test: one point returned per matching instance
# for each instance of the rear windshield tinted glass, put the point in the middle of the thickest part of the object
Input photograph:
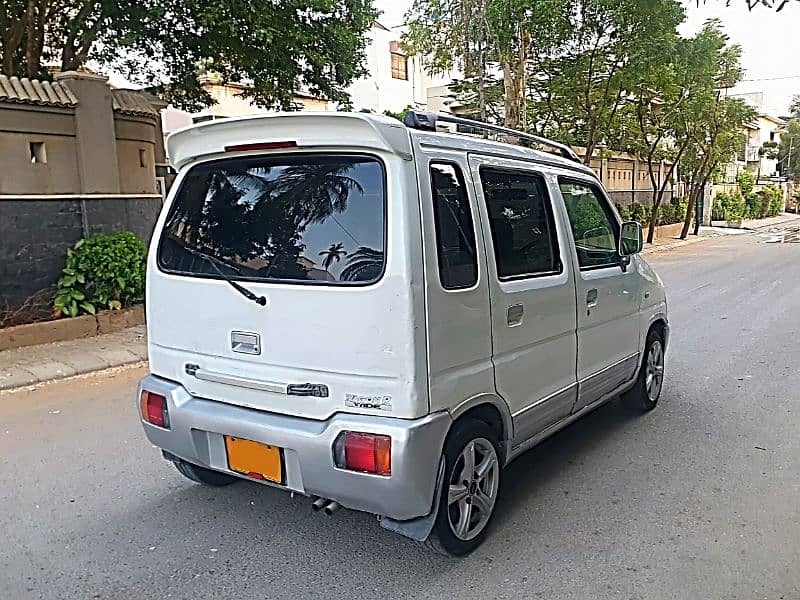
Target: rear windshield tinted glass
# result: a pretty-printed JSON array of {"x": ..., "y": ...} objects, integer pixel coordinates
[{"x": 314, "y": 219}]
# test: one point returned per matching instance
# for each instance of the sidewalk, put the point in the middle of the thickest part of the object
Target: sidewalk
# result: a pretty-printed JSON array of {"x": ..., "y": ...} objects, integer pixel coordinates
[
  {"x": 37, "y": 364},
  {"x": 771, "y": 221},
  {"x": 707, "y": 233}
]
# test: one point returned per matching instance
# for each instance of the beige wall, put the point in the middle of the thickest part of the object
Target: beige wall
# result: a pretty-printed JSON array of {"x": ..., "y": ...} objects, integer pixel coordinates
[
  {"x": 134, "y": 135},
  {"x": 134, "y": 178},
  {"x": 19, "y": 176},
  {"x": 83, "y": 156},
  {"x": 19, "y": 126}
]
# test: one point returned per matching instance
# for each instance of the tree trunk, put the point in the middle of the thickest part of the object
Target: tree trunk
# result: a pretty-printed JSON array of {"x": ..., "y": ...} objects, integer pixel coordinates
[
  {"x": 657, "y": 197},
  {"x": 514, "y": 81},
  {"x": 687, "y": 220}
]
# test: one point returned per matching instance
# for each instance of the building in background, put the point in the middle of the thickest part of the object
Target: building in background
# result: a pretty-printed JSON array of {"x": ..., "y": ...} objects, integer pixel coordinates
[{"x": 758, "y": 155}]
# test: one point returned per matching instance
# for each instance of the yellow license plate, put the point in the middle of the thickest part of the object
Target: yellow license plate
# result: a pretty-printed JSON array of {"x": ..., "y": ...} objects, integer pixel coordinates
[{"x": 254, "y": 459}]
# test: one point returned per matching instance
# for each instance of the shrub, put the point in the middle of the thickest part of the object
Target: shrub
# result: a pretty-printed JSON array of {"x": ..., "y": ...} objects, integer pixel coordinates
[
  {"x": 640, "y": 212},
  {"x": 774, "y": 199},
  {"x": 672, "y": 212},
  {"x": 753, "y": 208},
  {"x": 104, "y": 271},
  {"x": 746, "y": 182},
  {"x": 728, "y": 207},
  {"x": 624, "y": 212}
]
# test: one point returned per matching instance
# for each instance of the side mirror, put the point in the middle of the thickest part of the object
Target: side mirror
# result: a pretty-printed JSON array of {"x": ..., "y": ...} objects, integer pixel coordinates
[{"x": 631, "y": 239}]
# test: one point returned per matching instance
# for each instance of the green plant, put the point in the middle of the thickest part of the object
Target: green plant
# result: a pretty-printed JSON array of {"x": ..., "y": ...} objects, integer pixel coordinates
[
  {"x": 640, "y": 212},
  {"x": 774, "y": 200},
  {"x": 746, "y": 182},
  {"x": 624, "y": 212},
  {"x": 104, "y": 271},
  {"x": 728, "y": 207}
]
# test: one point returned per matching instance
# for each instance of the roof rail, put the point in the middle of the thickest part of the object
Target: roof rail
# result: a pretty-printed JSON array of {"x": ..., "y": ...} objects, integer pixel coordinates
[{"x": 417, "y": 119}]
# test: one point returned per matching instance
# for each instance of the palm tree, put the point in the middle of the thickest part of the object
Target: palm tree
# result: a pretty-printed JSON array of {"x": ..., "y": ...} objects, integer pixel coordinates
[
  {"x": 332, "y": 254},
  {"x": 365, "y": 264}
]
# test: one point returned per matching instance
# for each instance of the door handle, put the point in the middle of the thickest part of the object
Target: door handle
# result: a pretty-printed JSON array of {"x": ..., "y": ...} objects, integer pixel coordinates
[
  {"x": 515, "y": 314},
  {"x": 591, "y": 298}
]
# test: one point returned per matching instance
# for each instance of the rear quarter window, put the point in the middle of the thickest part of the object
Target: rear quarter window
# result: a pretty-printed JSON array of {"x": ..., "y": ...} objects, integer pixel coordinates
[{"x": 310, "y": 219}]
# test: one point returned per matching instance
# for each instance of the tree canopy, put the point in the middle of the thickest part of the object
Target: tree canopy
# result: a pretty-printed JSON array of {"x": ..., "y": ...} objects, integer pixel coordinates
[{"x": 277, "y": 48}]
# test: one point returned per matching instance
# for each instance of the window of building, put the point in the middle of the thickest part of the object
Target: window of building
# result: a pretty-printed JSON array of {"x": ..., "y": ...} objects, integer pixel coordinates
[
  {"x": 399, "y": 66},
  {"x": 38, "y": 153},
  {"x": 522, "y": 224},
  {"x": 455, "y": 232},
  {"x": 594, "y": 228},
  {"x": 142, "y": 157}
]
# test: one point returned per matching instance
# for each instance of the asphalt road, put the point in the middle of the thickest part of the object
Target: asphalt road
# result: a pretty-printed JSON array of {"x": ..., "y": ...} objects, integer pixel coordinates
[{"x": 697, "y": 500}]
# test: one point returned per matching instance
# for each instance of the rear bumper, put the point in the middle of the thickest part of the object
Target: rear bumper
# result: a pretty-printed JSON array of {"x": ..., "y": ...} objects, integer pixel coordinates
[{"x": 198, "y": 427}]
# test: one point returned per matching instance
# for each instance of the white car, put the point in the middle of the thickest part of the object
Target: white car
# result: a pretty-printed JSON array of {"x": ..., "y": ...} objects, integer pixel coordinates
[{"x": 381, "y": 316}]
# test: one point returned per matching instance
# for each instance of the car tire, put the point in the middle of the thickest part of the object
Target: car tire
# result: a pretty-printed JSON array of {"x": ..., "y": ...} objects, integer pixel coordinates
[
  {"x": 469, "y": 492},
  {"x": 203, "y": 475},
  {"x": 645, "y": 393}
]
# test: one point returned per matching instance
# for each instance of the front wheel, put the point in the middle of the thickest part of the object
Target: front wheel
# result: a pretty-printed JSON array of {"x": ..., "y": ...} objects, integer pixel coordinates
[
  {"x": 470, "y": 490},
  {"x": 644, "y": 395}
]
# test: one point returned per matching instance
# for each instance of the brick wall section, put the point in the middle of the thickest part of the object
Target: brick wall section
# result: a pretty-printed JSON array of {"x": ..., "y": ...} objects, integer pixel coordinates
[{"x": 35, "y": 235}]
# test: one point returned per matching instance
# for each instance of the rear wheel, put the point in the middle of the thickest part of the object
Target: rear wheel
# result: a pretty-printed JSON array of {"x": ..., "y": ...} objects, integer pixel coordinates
[
  {"x": 470, "y": 490},
  {"x": 203, "y": 475},
  {"x": 644, "y": 395}
]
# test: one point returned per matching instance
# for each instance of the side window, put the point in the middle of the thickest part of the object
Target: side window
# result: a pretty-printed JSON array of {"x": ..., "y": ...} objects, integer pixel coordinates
[
  {"x": 521, "y": 219},
  {"x": 455, "y": 233},
  {"x": 594, "y": 228}
]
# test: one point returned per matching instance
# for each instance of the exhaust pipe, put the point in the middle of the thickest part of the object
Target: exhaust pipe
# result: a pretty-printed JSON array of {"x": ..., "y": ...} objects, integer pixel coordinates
[
  {"x": 331, "y": 507},
  {"x": 319, "y": 504}
]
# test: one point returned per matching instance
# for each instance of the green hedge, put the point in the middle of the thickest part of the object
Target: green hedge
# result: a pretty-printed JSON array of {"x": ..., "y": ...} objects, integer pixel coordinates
[
  {"x": 104, "y": 271},
  {"x": 668, "y": 213},
  {"x": 755, "y": 205}
]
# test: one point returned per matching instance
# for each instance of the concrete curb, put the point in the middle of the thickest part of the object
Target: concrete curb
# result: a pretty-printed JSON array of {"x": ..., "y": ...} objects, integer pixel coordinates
[
  {"x": 101, "y": 372},
  {"x": 32, "y": 365},
  {"x": 657, "y": 248},
  {"x": 61, "y": 330}
]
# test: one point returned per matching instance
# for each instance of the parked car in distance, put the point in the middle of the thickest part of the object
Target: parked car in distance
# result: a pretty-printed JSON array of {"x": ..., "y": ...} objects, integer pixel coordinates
[{"x": 381, "y": 316}]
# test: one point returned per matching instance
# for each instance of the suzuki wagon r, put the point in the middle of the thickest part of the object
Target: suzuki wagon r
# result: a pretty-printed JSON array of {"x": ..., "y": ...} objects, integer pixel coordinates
[{"x": 382, "y": 315}]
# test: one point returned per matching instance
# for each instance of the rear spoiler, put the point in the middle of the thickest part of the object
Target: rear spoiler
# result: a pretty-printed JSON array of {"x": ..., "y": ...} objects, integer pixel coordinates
[{"x": 301, "y": 130}]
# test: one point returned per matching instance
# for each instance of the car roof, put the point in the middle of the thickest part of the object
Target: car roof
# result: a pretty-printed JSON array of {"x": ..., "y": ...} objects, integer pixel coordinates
[
  {"x": 474, "y": 144},
  {"x": 331, "y": 129}
]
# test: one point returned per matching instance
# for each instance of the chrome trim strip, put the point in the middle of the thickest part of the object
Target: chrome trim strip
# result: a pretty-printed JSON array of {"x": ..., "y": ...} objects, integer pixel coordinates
[
  {"x": 516, "y": 451},
  {"x": 609, "y": 367},
  {"x": 242, "y": 382},
  {"x": 545, "y": 399}
]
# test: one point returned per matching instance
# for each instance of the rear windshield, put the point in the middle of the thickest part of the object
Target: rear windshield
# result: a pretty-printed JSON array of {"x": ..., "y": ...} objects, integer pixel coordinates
[{"x": 310, "y": 219}]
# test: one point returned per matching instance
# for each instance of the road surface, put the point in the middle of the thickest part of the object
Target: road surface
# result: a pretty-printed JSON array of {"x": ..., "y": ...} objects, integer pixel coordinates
[{"x": 697, "y": 500}]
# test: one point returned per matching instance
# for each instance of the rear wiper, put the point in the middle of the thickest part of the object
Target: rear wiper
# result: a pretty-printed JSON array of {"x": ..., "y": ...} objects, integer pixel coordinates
[{"x": 260, "y": 300}]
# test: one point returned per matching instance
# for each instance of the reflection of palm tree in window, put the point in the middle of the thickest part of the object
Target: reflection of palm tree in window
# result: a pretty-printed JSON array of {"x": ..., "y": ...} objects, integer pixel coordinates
[
  {"x": 333, "y": 254},
  {"x": 365, "y": 264},
  {"x": 261, "y": 213}
]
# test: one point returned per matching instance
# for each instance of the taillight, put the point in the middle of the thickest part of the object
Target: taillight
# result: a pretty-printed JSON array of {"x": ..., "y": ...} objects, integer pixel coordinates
[
  {"x": 364, "y": 452},
  {"x": 154, "y": 409}
]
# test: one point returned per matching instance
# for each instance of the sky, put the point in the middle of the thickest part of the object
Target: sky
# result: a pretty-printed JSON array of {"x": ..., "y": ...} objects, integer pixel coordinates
[{"x": 770, "y": 42}]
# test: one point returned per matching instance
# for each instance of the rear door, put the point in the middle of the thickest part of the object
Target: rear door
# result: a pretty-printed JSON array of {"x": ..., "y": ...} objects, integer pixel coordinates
[
  {"x": 608, "y": 296},
  {"x": 328, "y": 240},
  {"x": 532, "y": 294}
]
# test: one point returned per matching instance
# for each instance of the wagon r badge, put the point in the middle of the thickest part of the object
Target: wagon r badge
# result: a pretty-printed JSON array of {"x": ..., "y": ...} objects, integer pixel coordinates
[{"x": 371, "y": 402}]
